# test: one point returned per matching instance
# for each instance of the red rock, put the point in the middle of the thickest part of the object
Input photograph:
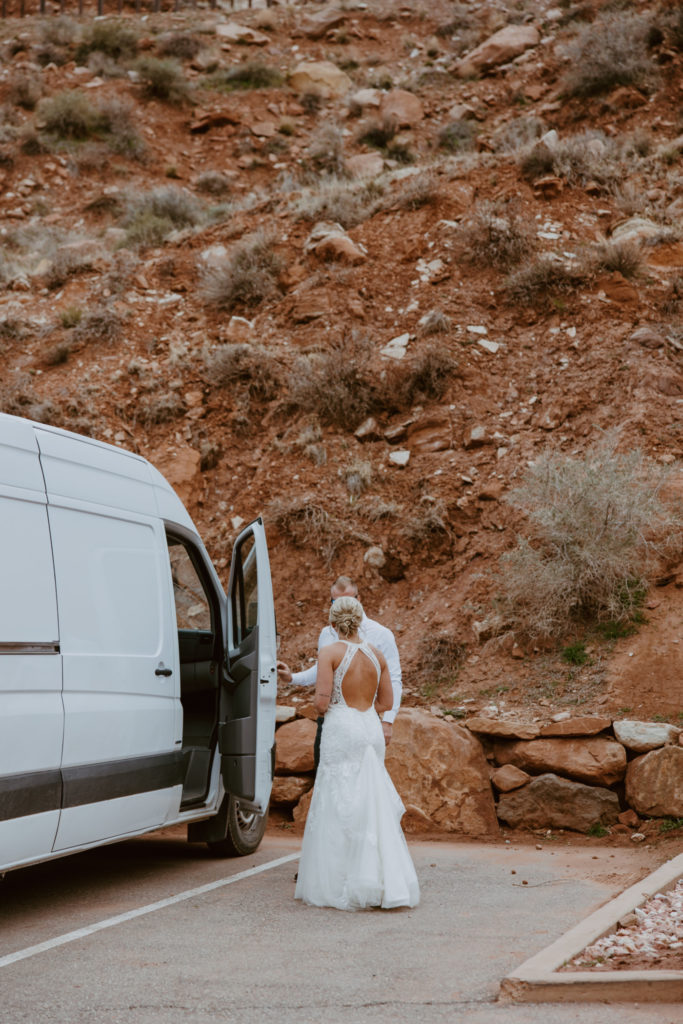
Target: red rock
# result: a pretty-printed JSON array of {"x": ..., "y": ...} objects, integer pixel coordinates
[
  {"x": 630, "y": 819},
  {"x": 553, "y": 802},
  {"x": 294, "y": 747},
  {"x": 288, "y": 789},
  {"x": 508, "y": 778},
  {"x": 595, "y": 760},
  {"x": 654, "y": 783},
  {"x": 402, "y": 108},
  {"x": 587, "y": 725},
  {"x": 502, "y": 728}
]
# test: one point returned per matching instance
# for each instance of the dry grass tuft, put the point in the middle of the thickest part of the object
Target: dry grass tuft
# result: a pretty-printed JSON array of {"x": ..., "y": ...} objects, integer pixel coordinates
[
  {"x": 249, "y": 368},
  {"x": 497, "y": 236},
  {"x": 335, "y": 384},
  {"x": 310, "y": 525},
  {"x": 544, "y": 280},
  {"x": 611, "y": 51}
]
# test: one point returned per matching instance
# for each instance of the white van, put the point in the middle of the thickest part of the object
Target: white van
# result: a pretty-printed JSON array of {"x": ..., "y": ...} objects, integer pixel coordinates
[{"x": 134, "y": 693}]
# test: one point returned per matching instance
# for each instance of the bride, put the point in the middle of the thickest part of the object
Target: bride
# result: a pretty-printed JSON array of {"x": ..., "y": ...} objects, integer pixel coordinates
[{"x": 354, "y": 853}]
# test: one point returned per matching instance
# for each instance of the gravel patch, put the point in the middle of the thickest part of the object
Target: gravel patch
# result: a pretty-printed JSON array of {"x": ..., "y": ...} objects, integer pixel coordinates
[{"x": 650, "y": 937}]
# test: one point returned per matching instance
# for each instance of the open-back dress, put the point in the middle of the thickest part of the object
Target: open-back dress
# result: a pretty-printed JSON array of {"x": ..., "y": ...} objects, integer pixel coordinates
[{"x": 354, "y": 852}]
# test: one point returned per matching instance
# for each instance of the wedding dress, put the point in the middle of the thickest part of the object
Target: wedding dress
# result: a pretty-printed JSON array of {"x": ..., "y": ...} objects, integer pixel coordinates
[{"x": 354, "y": 852}]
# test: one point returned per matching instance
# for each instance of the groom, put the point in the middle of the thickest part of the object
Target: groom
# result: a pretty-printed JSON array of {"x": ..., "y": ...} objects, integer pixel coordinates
[{"x": 371, "y": 631}]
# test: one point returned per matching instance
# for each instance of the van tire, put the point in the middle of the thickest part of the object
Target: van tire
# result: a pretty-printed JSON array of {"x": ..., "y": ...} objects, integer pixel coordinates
[{"x": 245, "y": 832}]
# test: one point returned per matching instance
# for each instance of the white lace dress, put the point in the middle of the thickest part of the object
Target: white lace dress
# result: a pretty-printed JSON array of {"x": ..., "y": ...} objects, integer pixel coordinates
[{"x": 354, "y": 852}]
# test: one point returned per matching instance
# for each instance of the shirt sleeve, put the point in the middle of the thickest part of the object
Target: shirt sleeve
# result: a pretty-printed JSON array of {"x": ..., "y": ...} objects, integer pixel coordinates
[
  {"x": 309, "y": 676},
  {"x": 390, "y": 652}
]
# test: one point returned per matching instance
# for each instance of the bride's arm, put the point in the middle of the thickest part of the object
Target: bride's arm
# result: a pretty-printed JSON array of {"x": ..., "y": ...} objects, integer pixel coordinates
[
  {"x": 323, "y": 686},
  {"x": 384, "y": 700}
]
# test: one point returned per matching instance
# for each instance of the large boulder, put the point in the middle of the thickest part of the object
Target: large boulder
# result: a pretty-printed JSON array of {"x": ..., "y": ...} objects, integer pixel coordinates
[
  {"x": 596, "y": 760},
  {"x": 440, "y": 772},
  {"x": 288, "y": 789},
  {"x": 401, "y": 108},
  {"x": 322, "y": 78},
  {"x": 551, "y": 802},
  {"x": 654, "y": 783},
  {"x": 640, "y": 737},
  {"x": 502, "y": 728},
  {"x": 508, "y": 43},
  {"x": 585, "y": 725},
  {"x": 294, "y": 747}
]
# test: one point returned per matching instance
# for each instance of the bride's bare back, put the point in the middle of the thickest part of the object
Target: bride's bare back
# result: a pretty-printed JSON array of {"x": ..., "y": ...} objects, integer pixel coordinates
[{"x": 359, "y": 685}]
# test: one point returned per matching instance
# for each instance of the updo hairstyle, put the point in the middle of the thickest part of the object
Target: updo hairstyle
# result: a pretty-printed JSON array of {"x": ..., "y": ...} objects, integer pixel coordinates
[{"x": 346, "y": 615}]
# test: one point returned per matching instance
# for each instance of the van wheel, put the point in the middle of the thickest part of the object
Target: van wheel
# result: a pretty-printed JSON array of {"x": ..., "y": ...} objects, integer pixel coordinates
[{"x": 245, "y": 831}]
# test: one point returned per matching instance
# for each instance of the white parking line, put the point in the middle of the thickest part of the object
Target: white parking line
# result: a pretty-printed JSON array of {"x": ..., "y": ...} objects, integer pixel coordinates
[{"x": 110, "y": 922}]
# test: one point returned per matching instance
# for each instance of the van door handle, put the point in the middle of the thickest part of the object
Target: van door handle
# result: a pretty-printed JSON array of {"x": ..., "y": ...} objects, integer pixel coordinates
[{"x": 163, "y": 671}]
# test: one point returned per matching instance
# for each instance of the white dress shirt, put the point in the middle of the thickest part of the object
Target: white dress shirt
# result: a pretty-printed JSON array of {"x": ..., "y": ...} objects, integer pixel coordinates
[{"x": 377, "y": 635}]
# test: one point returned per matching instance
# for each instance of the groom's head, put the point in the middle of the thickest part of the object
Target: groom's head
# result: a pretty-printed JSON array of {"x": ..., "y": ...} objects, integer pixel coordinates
[{"x": 343, "y": 586}]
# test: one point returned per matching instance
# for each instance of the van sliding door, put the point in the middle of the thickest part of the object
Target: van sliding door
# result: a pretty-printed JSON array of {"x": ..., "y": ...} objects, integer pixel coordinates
[{"x": 246, "y": 734}]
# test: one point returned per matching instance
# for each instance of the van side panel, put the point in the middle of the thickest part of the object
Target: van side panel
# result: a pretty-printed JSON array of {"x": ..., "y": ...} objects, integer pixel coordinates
[
  {"x": 31, "y": 712},
  {"x": 121, "y": 763}
]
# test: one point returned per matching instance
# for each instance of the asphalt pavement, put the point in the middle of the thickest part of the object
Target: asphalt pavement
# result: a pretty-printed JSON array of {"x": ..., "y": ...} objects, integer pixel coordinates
[{"x": 165, "y": 934}]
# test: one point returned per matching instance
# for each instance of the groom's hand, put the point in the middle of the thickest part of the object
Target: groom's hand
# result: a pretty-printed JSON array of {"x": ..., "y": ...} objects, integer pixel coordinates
[{"x": 387, "y": 729}]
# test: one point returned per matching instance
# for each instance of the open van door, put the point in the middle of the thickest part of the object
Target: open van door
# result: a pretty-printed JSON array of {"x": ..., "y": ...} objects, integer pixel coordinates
[{"x": 246, "y": 733}]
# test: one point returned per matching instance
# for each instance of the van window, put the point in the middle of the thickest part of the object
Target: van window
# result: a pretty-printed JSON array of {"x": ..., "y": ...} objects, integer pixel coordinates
[
  {"x": 191, "y": 604},
  {"x": 27, "y": 583},
  {"x": 245, "y": 590}
]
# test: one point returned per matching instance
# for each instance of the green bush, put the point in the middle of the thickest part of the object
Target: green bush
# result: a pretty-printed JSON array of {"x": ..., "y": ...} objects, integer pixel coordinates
[
  {"x": 599, "y": 528},
  {"x": 250, "y": 75},
  {"x": 163, "y": 80},
  {"x": 116, "y": 39}
]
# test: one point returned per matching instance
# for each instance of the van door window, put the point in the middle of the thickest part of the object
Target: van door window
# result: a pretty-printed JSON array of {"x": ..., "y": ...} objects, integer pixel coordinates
[
  {"x": 245, "y": 591},
  {"x": 197, "y": 620}
]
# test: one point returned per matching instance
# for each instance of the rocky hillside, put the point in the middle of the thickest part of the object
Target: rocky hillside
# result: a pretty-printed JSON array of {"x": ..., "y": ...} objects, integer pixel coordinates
[{"x": 356, "y": 268}]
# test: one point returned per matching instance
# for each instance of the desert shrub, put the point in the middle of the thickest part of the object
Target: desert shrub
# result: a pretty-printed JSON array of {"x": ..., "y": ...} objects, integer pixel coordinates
[
  {"x": 622, "y": 256},
  {"x": 159, "y": 407},
  {"x": 496, "y": 235},
  {"x": 589, "y": 156},
  {"x": 249, "y": 75},
  {"x": 61, "y": 31},
  {"x": 102, "y": 324},
  {"x": 422, "y": 377},
  {"x": 378, "y": 133},
  {"x": 182, "y": 45},
  {"x": 599, "y": 526},
  {"x": 336, "y": 384},
  {"x": 71, "y": 317},
  {"x": 248, "y": 367},
  {"x": 426, "y": 523},
  {"x": 12, "y": 329},
  {"x": 163, "y": 80},
  {"x": 458, "y": 137},
  {"x": 418, "y": 190},
  {"x": 152, "y": 216},
  {"x": 439, "y": 658},
  {"x": 357, "y": 476},
  {"x": 245, "y": 277},
  {"x": 342, "y": 202},
  {"x": 213, "y": 183},
  {"x": 308, "y": 524},
  {"x": 24, "y": 90},
  {"x": 544, "y": 280},
  {"x": 67, "y": 261},
  {"x": 325, "y": 152},
  {"x": 116, "y": 39},
  {"x": 118, "y": 121},
  {"x": 518, "y": 133},
  {"x": 434, "y": 322},
  {"x": 70, "y": 115},
  {"x": 610, "y": 52}
]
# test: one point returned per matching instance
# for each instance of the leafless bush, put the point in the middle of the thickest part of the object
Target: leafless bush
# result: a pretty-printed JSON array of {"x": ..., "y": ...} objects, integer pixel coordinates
[
  {"x": 414, "y": 192},
  {"x": 599, "y": 527},
  {"x": 458, "y": 136},
  {"x": 589, "y": 156},
  {"x": 163, "y": 80},
  {"x": 250, "y": 367},
  {"x": 439, "y": 658},
  {"x": 213, "y": 183},
  {"x": 103, "y": 324},
  {"x": 544, "y": 280},
  {"x": 65, "y": 262},
  {"x": 245, "y": 277},
  {"x": 151, "y": 216},
  {"x": 357, "y": 476},
  {"x": 342, "y": 202},
  {"x": 159, "y": 407},
  {"x": 310, "y": 525},
  {"x": 519, "y": 133},
  {"x": 623, "y": 256},
  {"x": 24, "y": 89},
  {"x": 426, "y": 523},
  {"x": 325, "y": 151},
  {"x": 496, "y": 236},
  {"x": 183, "y": 45},
  {"x": 335, "y": 384},
  {"x": 422, "y": 377},
  {"x": 611, "y": 51},
  {"x": 434, "y": 322}
]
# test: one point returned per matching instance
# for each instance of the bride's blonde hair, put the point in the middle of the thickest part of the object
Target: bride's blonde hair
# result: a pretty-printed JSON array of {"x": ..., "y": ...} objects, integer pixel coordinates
[{"x": 346, "y": 615}]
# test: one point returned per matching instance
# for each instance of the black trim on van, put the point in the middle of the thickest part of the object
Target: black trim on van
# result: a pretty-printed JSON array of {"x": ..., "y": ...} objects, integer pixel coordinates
[
  {"x": 30, "y": 793},
  {"x": 29, "y": 648},
  {"x": 37, "y": 792}
]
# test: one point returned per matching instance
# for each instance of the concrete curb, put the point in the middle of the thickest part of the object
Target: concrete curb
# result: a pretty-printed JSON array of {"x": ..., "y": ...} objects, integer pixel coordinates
[{"x": 537, "y": 980}]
